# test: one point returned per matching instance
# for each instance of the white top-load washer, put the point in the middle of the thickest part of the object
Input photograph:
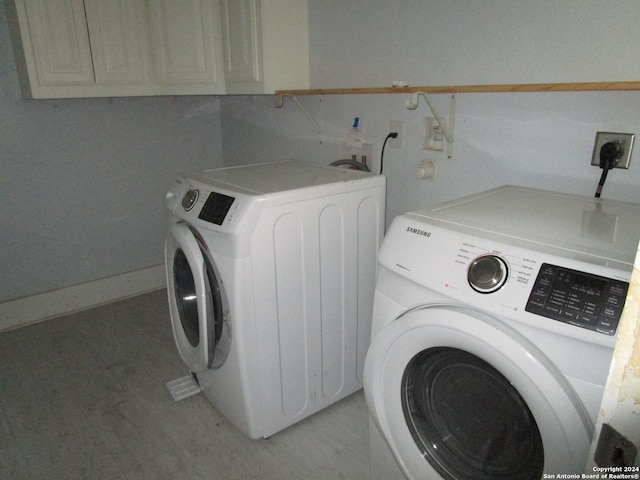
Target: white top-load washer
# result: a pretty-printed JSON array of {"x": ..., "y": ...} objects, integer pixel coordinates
[
  {"x": 493, "y": 330},
  {"x": 271, "y": 273}
]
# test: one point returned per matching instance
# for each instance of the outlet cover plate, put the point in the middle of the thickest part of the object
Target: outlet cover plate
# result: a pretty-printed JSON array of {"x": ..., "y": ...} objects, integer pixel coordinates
[{"x": 627, "y": 145}]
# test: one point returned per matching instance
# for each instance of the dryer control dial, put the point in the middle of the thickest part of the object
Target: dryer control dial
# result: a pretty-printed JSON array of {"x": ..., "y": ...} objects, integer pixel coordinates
[
  {"x": 487, "y": 273},
  {"x": 190, "y": 198}
]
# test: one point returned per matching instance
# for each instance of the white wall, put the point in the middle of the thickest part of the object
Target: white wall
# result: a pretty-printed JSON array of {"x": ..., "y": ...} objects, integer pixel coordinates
[
  {"x": 542, "y": 140},
  {"x": 82, "y": 182},
  {"x": 451, "y": 42}
]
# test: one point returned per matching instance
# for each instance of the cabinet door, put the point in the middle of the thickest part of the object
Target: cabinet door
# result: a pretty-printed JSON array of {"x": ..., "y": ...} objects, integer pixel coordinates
[
  {"x": 59, "y": 41},
  {"x": 266, "y": 45},
  {"x": 117, "y": 30},
  {"x": 242, "y": 45},
  {"x": 185, "y": 41}
]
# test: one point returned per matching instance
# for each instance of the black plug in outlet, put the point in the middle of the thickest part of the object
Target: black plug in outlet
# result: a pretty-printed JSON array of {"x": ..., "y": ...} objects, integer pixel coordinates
[{"x": 622, "y": 140}]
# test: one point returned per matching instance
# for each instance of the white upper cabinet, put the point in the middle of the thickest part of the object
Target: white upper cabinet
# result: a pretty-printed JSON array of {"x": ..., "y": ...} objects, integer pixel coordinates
[
  {"x": 103, "y": 48},
  {"x": 112, "y": 48},
  {"x": 266, "y": 45}
]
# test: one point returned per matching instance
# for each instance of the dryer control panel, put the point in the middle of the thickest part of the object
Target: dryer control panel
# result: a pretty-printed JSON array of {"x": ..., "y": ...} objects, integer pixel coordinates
[
  {"x": 578, "y": 298},
  {"x": 216, "y": 207}
]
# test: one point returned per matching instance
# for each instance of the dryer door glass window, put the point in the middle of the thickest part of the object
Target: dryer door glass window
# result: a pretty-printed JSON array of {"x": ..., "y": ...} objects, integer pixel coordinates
[
  {"x": 186, "y": 297},
  {"x": 468, "y": 420},
  {"x": 189, "y": 310},
  {"x": 215, "y": 322}
]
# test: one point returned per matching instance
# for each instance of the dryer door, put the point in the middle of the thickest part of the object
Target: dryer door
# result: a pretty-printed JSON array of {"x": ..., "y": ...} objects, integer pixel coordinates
[
  {"x": 459, "y": 395},
  {"x": 197, "y": 301}
]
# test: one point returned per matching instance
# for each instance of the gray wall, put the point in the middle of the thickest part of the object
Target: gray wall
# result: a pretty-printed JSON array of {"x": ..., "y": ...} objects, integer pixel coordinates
[
  {"x": 82, "y": 182},
  {"x": 455, "y": 42}
]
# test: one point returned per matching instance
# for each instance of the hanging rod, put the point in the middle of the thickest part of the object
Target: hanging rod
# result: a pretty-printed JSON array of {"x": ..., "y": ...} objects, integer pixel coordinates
[
  {"x": 412, "y": 104},
  {"x": 280, "y": 102}
]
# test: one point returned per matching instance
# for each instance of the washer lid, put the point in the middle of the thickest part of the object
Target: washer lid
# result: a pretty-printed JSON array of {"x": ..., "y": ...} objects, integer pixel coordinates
[{"x": 599, "y": 227}]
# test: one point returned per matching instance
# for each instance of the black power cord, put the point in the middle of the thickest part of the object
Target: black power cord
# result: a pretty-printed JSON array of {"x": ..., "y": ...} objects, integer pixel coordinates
[
  {"x": 610, "y": 154},
  {"x": 391, "y": 135}
]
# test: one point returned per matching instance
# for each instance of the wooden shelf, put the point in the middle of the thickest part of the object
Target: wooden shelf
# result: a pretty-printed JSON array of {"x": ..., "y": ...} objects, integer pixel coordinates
[{"x": 523, "y": 87}]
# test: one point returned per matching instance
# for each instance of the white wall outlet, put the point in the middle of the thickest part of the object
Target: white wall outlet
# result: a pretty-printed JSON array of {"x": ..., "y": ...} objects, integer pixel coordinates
[
  {"x": 625, "y": 140},
  {"x": 395, "y": 126}
]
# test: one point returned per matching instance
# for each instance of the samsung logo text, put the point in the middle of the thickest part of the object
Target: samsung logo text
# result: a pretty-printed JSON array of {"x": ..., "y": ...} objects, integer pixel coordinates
[{"x": 417, "y": 231}]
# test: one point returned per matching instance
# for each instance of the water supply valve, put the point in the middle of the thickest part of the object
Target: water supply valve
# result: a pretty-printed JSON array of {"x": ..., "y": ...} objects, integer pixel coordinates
[{"x": 427, "y": 169}]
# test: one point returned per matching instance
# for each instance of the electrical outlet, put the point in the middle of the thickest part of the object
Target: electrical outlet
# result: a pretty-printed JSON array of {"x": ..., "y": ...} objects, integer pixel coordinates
[
  {"x": 625, "y": 140},
  {"x": 395, "y": 126}
]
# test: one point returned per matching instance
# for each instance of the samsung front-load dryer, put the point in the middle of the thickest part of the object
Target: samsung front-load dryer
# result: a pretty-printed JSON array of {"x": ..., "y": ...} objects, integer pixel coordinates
[
  {"x": 271, "y": 273},
  {"x": 494, "y": 325}
]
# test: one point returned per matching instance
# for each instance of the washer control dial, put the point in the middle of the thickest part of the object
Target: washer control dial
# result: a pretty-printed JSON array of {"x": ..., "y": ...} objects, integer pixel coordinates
[
  {"x": 487, "y": 273},
  {"x": 190, "y": 198}
]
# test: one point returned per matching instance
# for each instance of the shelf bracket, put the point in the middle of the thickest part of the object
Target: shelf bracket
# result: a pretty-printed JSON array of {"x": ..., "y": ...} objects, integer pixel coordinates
[
  {"x": 280, "y": 103},
  {"x": 412, "y": 104}
]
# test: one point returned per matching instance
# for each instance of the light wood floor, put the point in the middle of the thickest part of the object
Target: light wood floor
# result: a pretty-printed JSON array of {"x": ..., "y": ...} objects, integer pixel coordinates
[{"x": 83, "y": 397}]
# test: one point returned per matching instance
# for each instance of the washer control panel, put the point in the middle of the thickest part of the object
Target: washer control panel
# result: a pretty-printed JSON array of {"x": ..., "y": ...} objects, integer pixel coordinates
[{"x": 578, "y": 298}]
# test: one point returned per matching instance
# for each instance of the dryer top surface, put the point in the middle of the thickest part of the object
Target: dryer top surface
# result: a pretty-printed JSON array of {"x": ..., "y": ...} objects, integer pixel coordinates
[
  {"x": 544, "y": 218},
  {"x": 287, "y": 175}
]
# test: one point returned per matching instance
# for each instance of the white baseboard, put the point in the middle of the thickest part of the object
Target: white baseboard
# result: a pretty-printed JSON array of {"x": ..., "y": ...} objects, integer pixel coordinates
[{"x": 36, "y": 308}]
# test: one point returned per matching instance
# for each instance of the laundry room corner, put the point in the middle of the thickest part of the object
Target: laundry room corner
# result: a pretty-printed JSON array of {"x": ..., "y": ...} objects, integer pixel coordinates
[
  {"x": 83, "y": 183},
  {"x": 319, "y": 239}
]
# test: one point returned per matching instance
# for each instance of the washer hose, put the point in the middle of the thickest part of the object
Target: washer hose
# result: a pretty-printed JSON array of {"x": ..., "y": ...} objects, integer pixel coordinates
[{"x": 352, "y": 163}]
